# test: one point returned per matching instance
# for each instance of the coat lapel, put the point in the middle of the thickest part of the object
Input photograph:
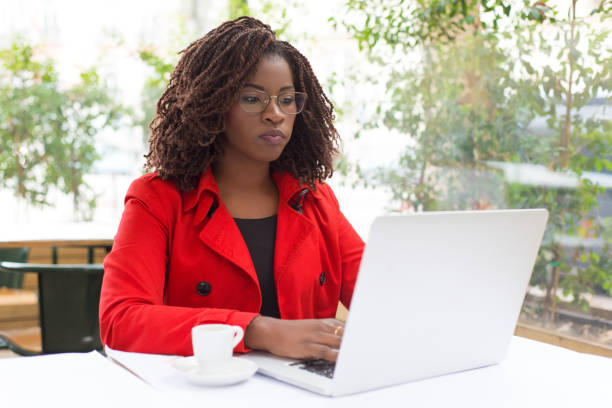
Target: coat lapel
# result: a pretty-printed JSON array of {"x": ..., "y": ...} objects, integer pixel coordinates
[
  {"x": 221, "y": 234},
  {"x": 218, "y": 230},
  {"x": 292, "y": 230}
]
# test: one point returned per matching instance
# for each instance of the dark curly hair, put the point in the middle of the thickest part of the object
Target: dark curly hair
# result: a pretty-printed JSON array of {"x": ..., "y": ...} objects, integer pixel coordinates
[{"x": 188, "y": 127}]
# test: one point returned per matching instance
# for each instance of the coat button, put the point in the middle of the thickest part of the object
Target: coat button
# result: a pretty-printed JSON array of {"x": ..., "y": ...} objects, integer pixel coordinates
[
  {"x": 322, "y": 278},
  {"x": 203, "y": 288}
]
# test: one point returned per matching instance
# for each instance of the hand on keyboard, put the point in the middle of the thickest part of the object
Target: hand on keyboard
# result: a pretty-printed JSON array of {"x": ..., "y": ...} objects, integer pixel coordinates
[{"x": 299, "y": 339}]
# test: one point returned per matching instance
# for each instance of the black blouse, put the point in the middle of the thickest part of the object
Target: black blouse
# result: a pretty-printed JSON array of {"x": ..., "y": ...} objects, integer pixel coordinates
[{"x": 260, "y": 236}]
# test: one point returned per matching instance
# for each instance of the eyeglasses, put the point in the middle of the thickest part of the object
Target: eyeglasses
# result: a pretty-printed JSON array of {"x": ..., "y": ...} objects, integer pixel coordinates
[{"x": 290, "y": 103}]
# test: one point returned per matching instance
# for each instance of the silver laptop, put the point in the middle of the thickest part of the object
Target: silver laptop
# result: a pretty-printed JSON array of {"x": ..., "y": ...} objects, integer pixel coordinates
[{"x": 437, "y": 293}]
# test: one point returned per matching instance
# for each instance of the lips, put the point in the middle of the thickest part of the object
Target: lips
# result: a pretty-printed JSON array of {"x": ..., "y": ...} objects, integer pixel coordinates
[{"x": 272, "y": 136}]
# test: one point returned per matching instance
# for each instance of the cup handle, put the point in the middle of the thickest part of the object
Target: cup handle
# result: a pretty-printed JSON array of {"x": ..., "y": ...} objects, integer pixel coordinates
[{"x": 238, "y": 334}]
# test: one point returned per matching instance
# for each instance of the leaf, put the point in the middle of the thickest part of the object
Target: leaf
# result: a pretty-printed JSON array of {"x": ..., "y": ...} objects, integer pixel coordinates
[
  {"x": 55, "y": 125},
  {"x": 528, "y": 67}
]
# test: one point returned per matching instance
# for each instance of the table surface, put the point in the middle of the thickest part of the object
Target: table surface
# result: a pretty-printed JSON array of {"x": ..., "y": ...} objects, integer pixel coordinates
[
  {"x": 58, "y": 234},
  {"x": 532, "y": 375}
]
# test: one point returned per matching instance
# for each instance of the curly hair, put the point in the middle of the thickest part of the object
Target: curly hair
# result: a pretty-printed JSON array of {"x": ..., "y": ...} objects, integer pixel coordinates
[{"x": 187, "y": 132}]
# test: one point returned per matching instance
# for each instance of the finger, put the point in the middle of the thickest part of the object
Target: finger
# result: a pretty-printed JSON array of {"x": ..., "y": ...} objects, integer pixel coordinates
[
  {"x": 336, "y": 322},
  {"x": 329, "y": 340},
  {"x": 339, "y": 330},
  {"x": 334, "y": 326},
  {"x": 324, "y": 352}
]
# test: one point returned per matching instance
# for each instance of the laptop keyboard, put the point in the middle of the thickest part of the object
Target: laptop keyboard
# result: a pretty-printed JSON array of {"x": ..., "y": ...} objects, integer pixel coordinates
[{"x": 321, "y": 367}]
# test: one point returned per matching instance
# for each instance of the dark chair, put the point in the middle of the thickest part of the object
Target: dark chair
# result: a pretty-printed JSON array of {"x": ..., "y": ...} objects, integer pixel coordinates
[
  {"x": 13, "y": 280},
  {"x": 68, "y": 298}
]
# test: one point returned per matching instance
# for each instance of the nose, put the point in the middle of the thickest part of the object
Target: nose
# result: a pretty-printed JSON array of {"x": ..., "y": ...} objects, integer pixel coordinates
[{"x": 272, "y": 113}]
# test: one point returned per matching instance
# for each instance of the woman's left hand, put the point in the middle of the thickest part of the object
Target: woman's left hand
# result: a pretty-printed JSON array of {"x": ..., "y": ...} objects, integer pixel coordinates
[{"x": 299, "y": 339}]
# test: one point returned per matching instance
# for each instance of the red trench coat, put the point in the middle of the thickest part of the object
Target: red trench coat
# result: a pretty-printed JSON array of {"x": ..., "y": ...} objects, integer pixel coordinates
[{"x": 178, "y": 262}]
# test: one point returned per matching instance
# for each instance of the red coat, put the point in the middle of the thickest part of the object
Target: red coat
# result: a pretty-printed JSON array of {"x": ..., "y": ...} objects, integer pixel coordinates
[{"x": 176, "y": 264}]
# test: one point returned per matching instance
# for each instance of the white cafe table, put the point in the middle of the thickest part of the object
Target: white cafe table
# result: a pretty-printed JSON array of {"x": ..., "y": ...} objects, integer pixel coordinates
[
  {"x": 52, "y": 235},
  {"x": 85, "y": 380},
  {"x": 532, "y": 375},
  {"x": 58, "y": 234}
]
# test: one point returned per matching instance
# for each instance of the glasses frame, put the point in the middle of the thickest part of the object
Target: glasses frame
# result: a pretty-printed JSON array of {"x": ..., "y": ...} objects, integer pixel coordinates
[{"x": 268, "y": 98}]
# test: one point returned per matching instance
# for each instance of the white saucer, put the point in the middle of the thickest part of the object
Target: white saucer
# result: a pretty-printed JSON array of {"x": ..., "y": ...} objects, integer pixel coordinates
[{"x": 236, "y": 370}]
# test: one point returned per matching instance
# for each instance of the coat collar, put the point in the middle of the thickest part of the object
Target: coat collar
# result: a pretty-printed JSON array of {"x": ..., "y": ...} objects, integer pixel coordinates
[
  {"x": 225, "y": 238},
  {"x": 207, "y": 183},
  {"x": 288, "y": 186}
]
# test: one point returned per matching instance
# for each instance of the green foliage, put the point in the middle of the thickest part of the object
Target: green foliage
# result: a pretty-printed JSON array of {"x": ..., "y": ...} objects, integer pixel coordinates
[
  {"x": 578, "y": 68},
  {"x": 160, "y": 62},
  {"x": 459, "y": 109},
  {"x": 160, "y": 69},
  {"x": 239, "y": 8},
  {"x": 47, "y": 133},
  {"x": 30, "y": 121},
  {"x": 605, "y": 8},
  {"x": 272, "y": 12},
  {"x": 464, "y": 95},
  {"x": 408, "y": 23}
]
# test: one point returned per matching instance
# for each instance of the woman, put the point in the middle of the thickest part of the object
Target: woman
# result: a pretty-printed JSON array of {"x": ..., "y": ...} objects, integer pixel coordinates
[{"x": 235, "y": 224}]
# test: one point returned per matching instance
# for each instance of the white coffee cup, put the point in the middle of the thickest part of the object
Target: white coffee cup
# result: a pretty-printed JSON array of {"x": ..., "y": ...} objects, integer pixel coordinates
[{"x": 213, "y": 344}]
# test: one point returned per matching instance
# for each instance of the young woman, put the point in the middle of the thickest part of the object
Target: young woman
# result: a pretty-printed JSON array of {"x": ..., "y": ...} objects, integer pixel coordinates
[{"x": 235, "y": 224}]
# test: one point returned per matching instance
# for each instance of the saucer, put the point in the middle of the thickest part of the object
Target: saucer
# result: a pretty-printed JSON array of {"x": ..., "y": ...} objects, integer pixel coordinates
[{"x": 235, "y": 371}]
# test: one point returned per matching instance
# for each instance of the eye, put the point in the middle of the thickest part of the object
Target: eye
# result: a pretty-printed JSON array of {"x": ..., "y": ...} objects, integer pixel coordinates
[
  {"x": 250, "y": 99},
  {"x": 286, "y": 100}
]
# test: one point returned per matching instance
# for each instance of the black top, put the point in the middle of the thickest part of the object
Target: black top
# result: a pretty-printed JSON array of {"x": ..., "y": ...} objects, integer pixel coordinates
[{"x": 260, "y": 235}]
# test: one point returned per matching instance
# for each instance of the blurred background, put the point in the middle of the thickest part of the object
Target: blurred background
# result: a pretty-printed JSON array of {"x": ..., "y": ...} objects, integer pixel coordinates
[{"x": 441, "y": 105}]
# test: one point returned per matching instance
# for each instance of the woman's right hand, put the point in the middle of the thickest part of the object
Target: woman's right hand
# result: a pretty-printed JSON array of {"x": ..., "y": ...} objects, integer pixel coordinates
[{"x": 299, "y": 339}]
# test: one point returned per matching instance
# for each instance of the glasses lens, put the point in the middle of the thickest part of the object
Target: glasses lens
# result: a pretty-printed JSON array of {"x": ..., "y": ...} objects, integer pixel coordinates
[
  {"x": 252, "y": 101},
  {"x": 292, "y": 102}
]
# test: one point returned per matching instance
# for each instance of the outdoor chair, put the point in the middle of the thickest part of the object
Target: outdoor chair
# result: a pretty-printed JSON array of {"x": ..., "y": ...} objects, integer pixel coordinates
[
  {"x": 68, "y": 298},
  {"x": 13, "y": 280}
]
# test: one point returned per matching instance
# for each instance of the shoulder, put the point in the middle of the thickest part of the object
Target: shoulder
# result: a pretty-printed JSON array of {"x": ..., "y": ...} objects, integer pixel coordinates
[
  {"x": 321, "y": 205},
  {"x": 325, "y": 194},
  {"x": 154, "y": 192},
  {"x": 151, "y": 183}
]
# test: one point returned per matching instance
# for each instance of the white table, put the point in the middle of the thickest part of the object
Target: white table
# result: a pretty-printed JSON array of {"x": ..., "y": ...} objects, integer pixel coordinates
[
  {"x": 88, "y": 235},
  {"x": 68, "y": 233},
  {"x": 84, "y": 380},
  {"x": 532, "y": 375}
]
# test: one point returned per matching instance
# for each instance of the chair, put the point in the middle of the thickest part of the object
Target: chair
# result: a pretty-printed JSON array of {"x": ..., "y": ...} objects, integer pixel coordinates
[
  {"x": 13, "y": 280},
  {"x": 68, "y": 299}
]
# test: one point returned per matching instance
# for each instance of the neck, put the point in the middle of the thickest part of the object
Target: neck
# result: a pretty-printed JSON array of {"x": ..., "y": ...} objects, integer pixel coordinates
[{"x": 244, "y": 175}]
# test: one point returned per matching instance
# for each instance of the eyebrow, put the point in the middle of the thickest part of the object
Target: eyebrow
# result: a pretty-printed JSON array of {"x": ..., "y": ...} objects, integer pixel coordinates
[{"x": 284, "y": 88}]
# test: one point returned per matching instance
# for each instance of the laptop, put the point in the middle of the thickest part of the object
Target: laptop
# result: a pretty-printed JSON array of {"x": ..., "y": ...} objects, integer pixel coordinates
[{"x": 437, "y": 293}]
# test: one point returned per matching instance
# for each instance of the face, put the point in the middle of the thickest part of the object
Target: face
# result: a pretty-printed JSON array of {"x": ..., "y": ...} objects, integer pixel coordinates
[{"x": 261, "y": 137}]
